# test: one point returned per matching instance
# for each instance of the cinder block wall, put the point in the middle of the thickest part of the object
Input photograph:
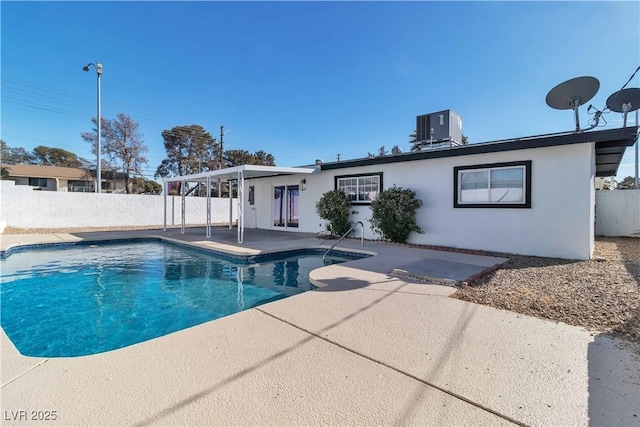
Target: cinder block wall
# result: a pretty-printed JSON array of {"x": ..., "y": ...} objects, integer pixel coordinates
[
  {"x": 22, "y": 207},
  {"x": 617, "y": 212}
]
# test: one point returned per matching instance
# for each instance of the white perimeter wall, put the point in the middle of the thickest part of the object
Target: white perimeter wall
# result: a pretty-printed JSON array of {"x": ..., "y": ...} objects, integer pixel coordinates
[
  {"x": 560, "y": 222},
  {"x": 22, "y": 207},
  {"x": 617, "y": 212}
]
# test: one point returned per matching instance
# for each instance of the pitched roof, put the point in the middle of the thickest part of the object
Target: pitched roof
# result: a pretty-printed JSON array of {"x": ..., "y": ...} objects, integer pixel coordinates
[{"x": 40, "y": 171}]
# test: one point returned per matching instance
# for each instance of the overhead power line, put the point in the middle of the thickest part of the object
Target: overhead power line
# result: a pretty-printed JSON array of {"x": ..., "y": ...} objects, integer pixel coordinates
[
  {"x": 39, "y": 107},
  {"x": 62, "y": 92},
  {"x": 48, "y": 98}
]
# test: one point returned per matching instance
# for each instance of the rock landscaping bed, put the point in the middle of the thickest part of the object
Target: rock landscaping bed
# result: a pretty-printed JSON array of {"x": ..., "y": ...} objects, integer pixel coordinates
[{"x": 602, "y": 294}]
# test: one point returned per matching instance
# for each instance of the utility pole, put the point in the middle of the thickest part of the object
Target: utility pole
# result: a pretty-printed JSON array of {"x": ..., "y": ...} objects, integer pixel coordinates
[
  {"x": 221, "y": 144},
  {"x": 221, "y": 158}
]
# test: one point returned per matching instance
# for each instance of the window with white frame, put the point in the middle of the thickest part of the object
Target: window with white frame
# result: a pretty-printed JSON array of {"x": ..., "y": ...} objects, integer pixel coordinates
[
  {"x": 360, "y": 188},
  {"x": 493, "y": 185}
]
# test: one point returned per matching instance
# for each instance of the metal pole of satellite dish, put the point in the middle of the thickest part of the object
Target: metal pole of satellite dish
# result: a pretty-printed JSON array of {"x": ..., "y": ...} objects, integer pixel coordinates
[{"x": 637, "y": 143}]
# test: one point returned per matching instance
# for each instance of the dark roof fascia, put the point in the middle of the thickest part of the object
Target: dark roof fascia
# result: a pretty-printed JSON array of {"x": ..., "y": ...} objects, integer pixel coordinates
[{"x": 621, "y": 137}]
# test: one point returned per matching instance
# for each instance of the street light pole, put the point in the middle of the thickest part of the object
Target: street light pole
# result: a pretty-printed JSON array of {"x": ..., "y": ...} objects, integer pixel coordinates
[
  {"x": 221, "y": 158},
  {"x": 98, "y": 67}
]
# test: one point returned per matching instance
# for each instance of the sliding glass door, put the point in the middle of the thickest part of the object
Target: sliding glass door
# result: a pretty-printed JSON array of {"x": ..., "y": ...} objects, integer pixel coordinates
[{"x": 285, "y": 206}]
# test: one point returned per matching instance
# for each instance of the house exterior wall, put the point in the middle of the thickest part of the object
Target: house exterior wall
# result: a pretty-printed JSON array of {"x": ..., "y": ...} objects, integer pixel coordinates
[
  {"x": 114, "y": 187},
  {"x": 617, "y": 213},
  {"x": 22, "y": 207},
  {"x": 60, "y": 184},
  {"x": 592, "y": 201},
  {"x": 51, "y": 183},
  {"x": 558, "y": 224},
  {"x": 19, "y": 181}
]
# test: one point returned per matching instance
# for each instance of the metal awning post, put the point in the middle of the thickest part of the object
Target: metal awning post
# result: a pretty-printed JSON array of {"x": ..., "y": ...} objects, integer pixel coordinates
[
  {"x": 240, "y": 196},
  {"x": 230, "y": 204},
  {"x": 208, "y": 207},
  {"x": 183, "y": 205},
  {"x": 164, "y": 190},
  {"x": 230, "y": 175}
]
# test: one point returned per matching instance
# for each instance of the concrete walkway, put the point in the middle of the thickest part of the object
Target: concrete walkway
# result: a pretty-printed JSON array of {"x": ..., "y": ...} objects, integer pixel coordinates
[{"x": 364, "y": 349}]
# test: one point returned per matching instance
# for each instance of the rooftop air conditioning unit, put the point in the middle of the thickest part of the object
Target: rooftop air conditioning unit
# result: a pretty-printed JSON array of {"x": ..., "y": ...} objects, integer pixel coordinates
[{"x": 440, "y": 127}]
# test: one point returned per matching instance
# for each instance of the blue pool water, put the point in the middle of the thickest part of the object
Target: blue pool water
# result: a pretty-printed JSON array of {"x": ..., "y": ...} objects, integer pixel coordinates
[{"x": 83, "y": 300}]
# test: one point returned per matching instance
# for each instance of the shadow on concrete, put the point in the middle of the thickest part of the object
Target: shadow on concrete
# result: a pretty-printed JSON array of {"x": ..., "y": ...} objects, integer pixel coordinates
[
  {"x": 614, "y": 382},
  {"x": 340, "y": 284},
  {"x": 462, "y": 323},
  {"x": 154, "y": 419}
]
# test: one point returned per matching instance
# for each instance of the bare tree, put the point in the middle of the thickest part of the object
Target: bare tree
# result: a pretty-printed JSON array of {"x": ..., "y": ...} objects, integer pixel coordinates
[{"x": 122, "y": 146}]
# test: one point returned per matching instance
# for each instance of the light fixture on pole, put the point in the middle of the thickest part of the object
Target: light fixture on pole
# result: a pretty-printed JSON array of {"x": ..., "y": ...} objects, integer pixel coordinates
[{"x": 98, "y": 67}]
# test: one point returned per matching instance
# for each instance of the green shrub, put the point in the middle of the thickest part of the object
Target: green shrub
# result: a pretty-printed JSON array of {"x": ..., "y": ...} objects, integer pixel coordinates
[
  {"x": 394, "y": 214},
  {"x": 334, "y": 206}
]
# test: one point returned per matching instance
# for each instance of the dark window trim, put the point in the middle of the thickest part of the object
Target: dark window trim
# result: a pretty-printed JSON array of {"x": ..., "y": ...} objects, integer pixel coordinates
[
  {"x": 358, "y": 175},
  {"x": 527, "y": 189}
]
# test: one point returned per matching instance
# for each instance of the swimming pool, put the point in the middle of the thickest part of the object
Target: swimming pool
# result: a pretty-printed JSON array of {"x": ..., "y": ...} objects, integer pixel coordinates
[{"x": 85, "y": 299}]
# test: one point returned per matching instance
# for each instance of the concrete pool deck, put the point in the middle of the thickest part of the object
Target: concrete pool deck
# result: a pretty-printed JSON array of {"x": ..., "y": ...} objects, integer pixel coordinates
[{"x": 366, "y": 348}]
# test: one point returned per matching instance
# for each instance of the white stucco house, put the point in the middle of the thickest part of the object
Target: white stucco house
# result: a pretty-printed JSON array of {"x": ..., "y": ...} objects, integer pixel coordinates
[{"x": 531, "y": 196}]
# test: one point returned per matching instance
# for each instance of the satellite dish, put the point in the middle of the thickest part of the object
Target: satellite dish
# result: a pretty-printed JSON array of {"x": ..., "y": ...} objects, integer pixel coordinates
[
  {"x": 624, "y": 101},
  {"x": 396, "y": 150},
  {"x": 572, "y": 94}
]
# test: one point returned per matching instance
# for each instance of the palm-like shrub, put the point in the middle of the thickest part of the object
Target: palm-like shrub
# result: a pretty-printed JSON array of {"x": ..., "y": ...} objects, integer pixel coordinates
[
  {"x": 334, "y": 206},
  {"x": 394, "y": 214}
]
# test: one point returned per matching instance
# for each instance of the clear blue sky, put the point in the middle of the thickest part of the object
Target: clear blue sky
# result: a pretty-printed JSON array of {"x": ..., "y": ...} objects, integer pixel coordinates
[{"x": 307, "y": 80}]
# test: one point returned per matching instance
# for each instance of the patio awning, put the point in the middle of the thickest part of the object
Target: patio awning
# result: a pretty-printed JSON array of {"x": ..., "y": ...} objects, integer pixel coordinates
[
  {"x": 248, "y": 171},
  {"x": 238, "y": 173}
]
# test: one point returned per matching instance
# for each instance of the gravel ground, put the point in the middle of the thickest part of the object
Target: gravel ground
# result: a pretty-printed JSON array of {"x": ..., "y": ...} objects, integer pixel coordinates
[{"x": 602, "y": 294}]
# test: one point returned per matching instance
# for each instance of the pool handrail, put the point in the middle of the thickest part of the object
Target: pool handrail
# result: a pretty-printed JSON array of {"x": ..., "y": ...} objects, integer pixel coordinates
[{"x": 352, "y": 228}]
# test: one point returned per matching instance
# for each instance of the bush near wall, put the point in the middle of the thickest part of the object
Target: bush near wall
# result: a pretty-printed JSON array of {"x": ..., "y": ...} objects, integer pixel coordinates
[
  {"x": 334, "y": 206},
  {"x": 394, "y": 214}
]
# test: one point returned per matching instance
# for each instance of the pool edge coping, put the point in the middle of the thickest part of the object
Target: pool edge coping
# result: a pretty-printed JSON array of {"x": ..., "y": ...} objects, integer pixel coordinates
[{"x": 225, "y": 251}]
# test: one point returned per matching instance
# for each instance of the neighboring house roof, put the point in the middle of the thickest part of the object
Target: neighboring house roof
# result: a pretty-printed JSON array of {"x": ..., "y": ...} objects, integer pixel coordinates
[
  {"x": 610, "y": 147},
  {"x": 40, "y": 171}
]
